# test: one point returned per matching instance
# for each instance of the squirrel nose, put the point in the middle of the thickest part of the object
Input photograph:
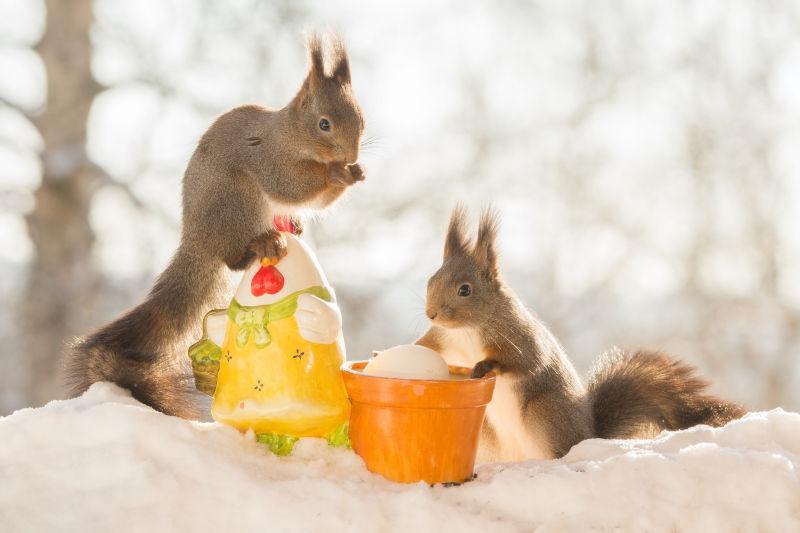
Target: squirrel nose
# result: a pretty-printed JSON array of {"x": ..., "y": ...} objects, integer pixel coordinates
[
  {"x": 351, "y": 155},
  {"x": 431, "y": 313}
]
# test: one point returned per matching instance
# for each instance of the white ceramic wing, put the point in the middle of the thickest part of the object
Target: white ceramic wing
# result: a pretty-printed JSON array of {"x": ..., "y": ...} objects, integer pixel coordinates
[
  {"x": 318, "y": 321},
  {"x": 216, "y": 323}
]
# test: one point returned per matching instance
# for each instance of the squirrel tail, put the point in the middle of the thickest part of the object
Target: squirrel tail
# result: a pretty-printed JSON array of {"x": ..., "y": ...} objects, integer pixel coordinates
[
  {"x": 145, "y": 350},
  {"x": 644, "y": 393}
]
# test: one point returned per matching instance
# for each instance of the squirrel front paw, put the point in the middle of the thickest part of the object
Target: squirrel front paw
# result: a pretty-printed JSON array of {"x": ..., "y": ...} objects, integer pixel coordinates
[
  {"x": 357, "y": 171},
  {"x": 269, "y": 245},
  {"x": 345, "y": 176},
  {"x": 297, "y": 225},
  {"x": 483, "y": 367}
]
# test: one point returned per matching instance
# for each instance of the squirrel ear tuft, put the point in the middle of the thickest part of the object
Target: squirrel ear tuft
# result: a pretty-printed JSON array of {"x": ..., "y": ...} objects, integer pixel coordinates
[
  {"x": 316, "y": 70},
  {"x": 484, "y": 252},
  {"x": 341, "y": 61},
  {"x": 456, "y": 241}
]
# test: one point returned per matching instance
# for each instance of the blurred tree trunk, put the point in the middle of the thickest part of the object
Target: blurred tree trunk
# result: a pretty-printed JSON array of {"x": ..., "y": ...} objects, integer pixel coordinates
[{"x": 61, "y": 273}]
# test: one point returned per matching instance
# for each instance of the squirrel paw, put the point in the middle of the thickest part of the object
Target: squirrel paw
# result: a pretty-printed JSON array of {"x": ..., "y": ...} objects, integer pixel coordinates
[
  {"x": 346, "y": 175},
  {"x": 357, "y": 171},
  {"x": 269, "y": 245},
  {"x": 297, "y": 224},
  {"x": 483, "y": 367}
]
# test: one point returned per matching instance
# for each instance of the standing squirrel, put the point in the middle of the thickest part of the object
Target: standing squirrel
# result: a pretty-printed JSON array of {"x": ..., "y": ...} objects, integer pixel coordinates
[
  {"x": 251, "y": 165},
  {"x": 540, "y": 407}
]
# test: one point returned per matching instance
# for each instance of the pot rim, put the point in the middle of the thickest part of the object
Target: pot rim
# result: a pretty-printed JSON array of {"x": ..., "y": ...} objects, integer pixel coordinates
[
  {"x": 349, "y": 366},
  {"x": 417, "y": 393}
]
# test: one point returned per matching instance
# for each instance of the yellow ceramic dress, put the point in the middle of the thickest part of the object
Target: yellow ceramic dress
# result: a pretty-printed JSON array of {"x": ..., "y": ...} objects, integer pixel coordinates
[
  {"x": 262, "y": 343},
  {"x": 267, "y": 376}
]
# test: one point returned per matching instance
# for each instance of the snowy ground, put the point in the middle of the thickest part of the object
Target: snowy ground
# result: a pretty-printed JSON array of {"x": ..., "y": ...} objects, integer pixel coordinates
[{"x": 104, "y": 462}]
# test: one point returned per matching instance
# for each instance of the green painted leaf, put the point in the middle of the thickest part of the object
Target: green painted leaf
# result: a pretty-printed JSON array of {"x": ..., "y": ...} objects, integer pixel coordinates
[
  {"x": 340, "y": 437},
  {"x": 278, "y": 444}
]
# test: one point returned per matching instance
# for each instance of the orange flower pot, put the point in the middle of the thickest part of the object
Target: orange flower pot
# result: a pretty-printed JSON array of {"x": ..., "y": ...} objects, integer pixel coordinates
[{"x": 411, "y": 430}]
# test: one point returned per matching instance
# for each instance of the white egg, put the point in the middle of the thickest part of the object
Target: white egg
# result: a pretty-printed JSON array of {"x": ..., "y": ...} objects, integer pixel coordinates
[{"x": 408, "y": 361}]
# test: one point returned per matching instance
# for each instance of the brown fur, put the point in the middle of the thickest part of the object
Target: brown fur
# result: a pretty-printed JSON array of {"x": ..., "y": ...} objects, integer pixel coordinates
[
  {"x": 627, "y": 396},
  {"x": 631, "y": 394},
  {"x": 251, "y": 164},
  {"x": 516, "y": 346}
]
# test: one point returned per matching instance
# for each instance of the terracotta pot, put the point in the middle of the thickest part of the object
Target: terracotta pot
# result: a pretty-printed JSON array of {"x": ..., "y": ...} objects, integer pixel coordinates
[{"x": 411, "y": 430}]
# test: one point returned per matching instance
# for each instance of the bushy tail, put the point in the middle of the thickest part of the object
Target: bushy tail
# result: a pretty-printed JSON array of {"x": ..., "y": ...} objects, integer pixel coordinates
[
  {"x": 162, "y": 381},
  {"x": 145, "y": 350},
  {"x": 636, "y": 395}
]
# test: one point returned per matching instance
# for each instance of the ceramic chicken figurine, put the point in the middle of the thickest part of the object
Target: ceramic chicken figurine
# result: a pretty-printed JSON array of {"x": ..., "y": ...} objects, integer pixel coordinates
[{"x": 271, "y": 360}]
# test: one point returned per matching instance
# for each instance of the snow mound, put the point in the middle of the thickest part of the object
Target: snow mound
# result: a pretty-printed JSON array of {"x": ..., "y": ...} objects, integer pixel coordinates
[{"x": 104, "y": 462}]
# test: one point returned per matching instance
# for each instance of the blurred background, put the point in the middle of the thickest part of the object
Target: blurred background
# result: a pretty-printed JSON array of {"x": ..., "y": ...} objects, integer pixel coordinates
[{"x": 644, "y": 156}]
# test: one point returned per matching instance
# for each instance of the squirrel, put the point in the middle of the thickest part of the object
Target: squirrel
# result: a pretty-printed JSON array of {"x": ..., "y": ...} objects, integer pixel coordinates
[
  {"x": 253, "y": 164},
  {"x": 540, "y": 407}
]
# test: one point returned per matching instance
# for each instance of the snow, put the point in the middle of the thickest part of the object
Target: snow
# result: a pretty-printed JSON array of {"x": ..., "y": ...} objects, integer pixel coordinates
[{"x": 104, "y": 462}]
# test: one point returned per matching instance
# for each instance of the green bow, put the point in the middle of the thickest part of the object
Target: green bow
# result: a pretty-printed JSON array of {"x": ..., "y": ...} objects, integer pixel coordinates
[{"x": 254, "y": 320}]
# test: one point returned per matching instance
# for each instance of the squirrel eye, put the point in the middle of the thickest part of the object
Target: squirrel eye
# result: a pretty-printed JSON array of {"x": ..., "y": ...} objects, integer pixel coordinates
[
  {"x": 324, "y": 124},
  {"x": 465, "y": 290}
]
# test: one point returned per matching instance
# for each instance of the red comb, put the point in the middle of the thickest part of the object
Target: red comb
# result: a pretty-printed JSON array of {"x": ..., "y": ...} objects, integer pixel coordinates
[{"x": 267, "y": 280}]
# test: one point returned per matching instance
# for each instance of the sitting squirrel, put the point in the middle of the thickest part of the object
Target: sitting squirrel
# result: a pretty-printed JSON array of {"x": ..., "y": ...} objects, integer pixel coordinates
[
  {"x": 251, "y": 165},
  {"x": 540, "y": 407}
]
